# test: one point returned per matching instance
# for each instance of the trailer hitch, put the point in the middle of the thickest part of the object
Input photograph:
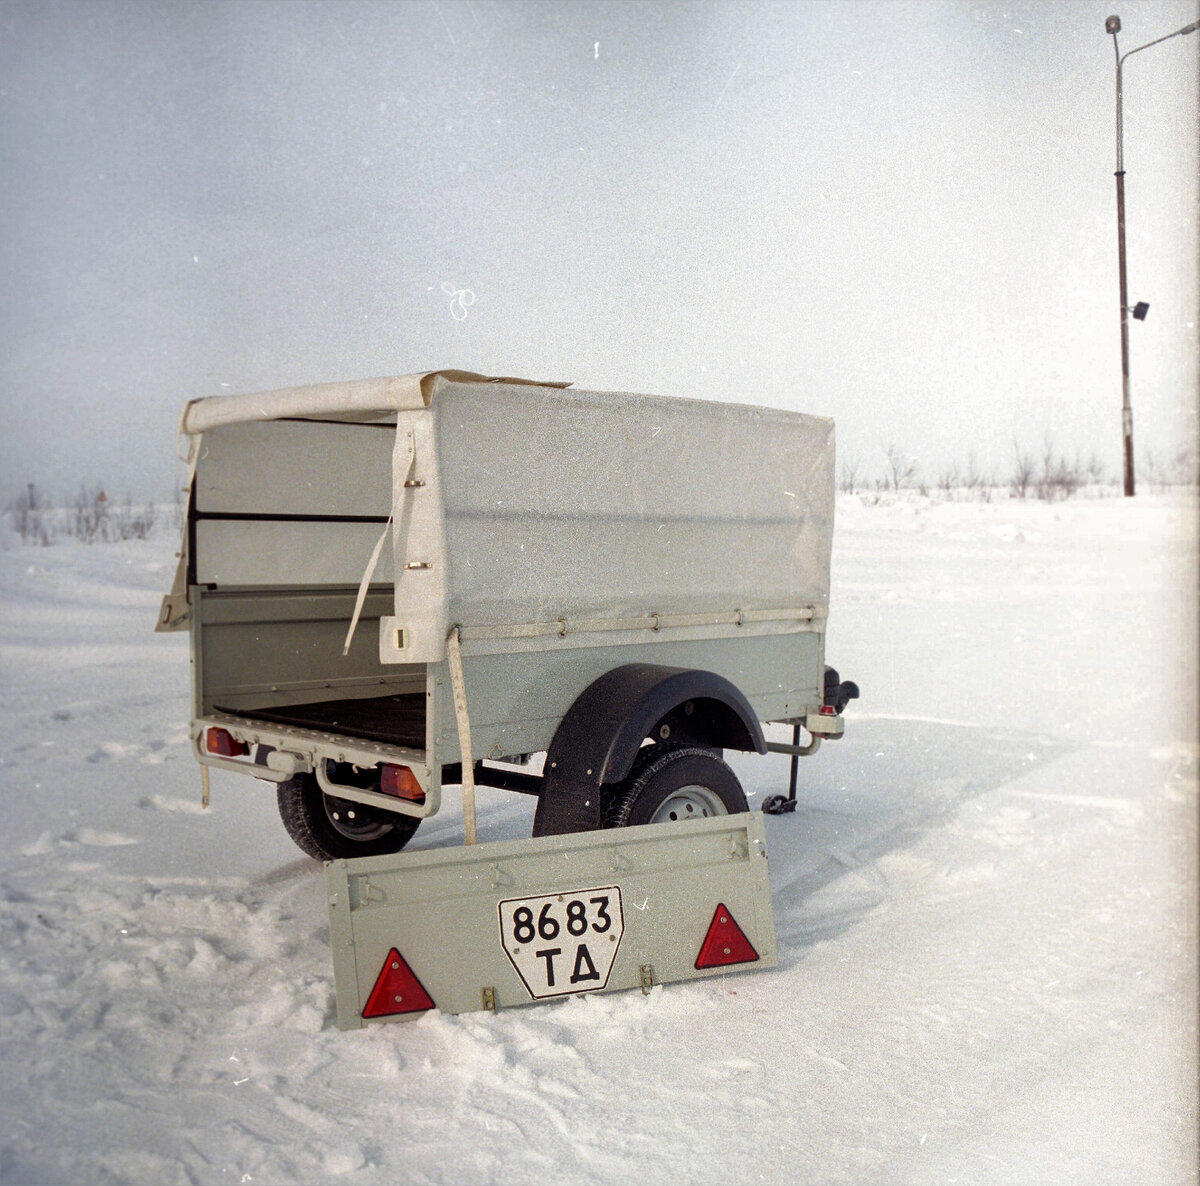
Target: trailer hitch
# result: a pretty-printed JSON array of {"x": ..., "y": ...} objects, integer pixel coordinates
[{"x": 838, "y": 694}]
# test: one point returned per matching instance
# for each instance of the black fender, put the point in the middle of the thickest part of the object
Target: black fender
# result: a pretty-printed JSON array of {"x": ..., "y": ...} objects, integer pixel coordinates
[{"x": 600, "y": 735}]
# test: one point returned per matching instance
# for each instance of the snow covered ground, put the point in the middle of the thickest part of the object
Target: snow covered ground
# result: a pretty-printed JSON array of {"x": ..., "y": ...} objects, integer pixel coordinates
[{"x": 986, "y": 907}]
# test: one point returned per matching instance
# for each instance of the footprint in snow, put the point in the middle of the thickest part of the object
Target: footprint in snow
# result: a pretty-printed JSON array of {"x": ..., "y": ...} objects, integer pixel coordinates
[
  {"x": 91, "y": 838},
  {"x": 87, "y": 837},
  {"x": 42, "y": 846},
  {"x": 162, "y": 803},
  {"x": 111, "y": 750}
]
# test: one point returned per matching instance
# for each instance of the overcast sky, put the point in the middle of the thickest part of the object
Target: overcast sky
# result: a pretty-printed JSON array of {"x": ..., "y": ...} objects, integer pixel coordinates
[{"x": 898, "y": 214}]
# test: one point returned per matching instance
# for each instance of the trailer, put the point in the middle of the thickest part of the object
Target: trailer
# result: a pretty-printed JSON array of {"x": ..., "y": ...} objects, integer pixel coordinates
[{"x": 395, "y": 585}]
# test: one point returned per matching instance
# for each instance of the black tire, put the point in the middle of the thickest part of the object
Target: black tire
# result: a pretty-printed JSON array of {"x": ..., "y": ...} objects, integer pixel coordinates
[
  {"x": 670, "y": 782},
  {"x": 328, "y": 828}
]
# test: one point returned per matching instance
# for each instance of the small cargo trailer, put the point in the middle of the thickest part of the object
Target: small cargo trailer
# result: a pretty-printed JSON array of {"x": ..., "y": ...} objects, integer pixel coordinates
[{"x": 393, "y": 585}]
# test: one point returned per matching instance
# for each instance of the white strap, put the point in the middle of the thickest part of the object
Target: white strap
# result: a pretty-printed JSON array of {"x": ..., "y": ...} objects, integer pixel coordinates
[
  {"x": 403, "y": 457},
  {"x": 454, "y": 655},
  {"x": 193, "y": 439},
  {"x": 175, "y": 611},
  {"x": 364, "y": 584}
]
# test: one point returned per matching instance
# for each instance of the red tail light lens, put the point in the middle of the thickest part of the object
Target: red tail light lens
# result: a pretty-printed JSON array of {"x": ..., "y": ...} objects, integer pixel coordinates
[
  {"x": 224, "y": 744},
  {"x": 402, "y": 782},
  {"x": 828, "y": 710}
]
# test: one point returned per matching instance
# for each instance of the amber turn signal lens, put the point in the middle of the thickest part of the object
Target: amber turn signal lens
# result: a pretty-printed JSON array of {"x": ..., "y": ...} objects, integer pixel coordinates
[{"x": 401, "y": 782}]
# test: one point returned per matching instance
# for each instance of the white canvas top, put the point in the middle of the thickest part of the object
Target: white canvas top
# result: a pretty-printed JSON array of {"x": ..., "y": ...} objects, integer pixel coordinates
[
  {"x": 359, "y": 401},
  {"x": 530, "y": 507}
]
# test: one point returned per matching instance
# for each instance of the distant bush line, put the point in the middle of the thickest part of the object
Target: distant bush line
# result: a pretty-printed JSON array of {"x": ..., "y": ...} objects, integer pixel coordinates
[
  {"x": 91, "y": 518},
  {"x": 1048, "y": 476}
]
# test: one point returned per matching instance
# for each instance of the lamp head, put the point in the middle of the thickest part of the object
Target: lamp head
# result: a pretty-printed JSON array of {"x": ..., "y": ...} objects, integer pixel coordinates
[{"x": 1113, "y": 24}]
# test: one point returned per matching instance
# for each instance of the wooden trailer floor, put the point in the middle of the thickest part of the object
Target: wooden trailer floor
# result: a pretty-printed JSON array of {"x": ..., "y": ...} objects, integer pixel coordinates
[{"x": 394, "y": 720}]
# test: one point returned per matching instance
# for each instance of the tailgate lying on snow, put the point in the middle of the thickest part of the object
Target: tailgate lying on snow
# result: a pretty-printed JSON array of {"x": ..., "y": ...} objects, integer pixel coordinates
[{"x": 512, "y": 922}]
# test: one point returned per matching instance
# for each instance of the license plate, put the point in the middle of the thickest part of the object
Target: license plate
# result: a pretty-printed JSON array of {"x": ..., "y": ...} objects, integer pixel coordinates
[{"x": 563, "y": 943}]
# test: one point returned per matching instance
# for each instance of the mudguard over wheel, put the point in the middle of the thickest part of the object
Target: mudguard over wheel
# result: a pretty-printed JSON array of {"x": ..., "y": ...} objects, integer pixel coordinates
[
  {"x": 329, "y": 829},
  {"x": 602, "y": 736},
  {"x": 672, "y": 783}
]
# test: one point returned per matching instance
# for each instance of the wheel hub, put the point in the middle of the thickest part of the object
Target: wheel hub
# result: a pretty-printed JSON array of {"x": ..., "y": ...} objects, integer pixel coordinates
[
  {"x": 353, "y": 820},
  {"x": 690, "y": 802}
]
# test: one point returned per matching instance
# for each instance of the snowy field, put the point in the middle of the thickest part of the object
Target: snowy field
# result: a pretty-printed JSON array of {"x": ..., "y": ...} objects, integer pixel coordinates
[{"x": 986, "y": 907}]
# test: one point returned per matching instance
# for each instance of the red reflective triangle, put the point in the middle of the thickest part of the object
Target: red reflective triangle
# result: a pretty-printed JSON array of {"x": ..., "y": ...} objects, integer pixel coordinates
[
  {"x": 397, "y": 990},
  {"x": 725, "y": 943}
]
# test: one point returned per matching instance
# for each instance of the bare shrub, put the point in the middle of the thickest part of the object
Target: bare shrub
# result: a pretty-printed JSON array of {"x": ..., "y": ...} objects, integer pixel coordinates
[
  {"x": 89, "y": 521},
  {"x": 1023, "y": 471},
  {"x": 130, "y": 522},
  {"x": 901, "y": 470},
  {"x": 978, "y": 484},
  {"x": 969, "y": 483},
  {"x": 1153, "y": 472},
  {"x": 949, "y": 480},
  {"x": 1058, "y": 478},
  {"x": 1186, "y": 465},
  {"x": 94, "y": 519},
  {"x": 1161, "y": 473},
  {"x": 90, "y": 517},
  {"x": 31, "y": 518},
  {"x": 1095, "y": 470},
  {"x": 849, "y": 482}
]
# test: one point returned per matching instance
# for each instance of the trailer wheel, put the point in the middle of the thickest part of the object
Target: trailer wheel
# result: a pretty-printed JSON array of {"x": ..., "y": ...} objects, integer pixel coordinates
[
  {"x": 329, "y": 829},
  {"x": 673, "y": 783}
]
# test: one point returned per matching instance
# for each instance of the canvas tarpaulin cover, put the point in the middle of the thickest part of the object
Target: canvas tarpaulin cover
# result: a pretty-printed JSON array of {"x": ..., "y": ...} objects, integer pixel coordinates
[{"x": 520, "y": 510}]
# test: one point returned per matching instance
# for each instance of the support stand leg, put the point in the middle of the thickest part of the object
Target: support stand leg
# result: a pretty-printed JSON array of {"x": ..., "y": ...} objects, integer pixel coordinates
[{"x": 780, "y": 804}]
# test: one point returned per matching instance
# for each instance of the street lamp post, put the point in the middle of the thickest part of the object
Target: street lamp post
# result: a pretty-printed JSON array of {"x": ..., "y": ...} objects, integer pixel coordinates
[{"x": 1113, "y": 25}]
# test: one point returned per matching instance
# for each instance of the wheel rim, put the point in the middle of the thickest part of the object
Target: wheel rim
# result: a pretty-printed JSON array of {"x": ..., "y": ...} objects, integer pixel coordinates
[
  {"x": 353, "y": 820},
  {"x": 691, "y": 802}
]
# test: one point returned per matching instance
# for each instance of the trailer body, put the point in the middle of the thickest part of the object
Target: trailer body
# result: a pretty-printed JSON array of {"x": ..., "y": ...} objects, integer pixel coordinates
[{"x": 577, "y": 566}]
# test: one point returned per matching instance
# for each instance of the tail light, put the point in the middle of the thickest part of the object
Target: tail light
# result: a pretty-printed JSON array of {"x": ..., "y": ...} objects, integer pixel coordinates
[
  {"x": 401, "y": 782},
  {"x": 224, "y": 744}
]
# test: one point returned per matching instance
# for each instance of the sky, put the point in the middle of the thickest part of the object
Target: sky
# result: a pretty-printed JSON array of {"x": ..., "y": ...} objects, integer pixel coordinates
[{"x": 901, "y": 215}]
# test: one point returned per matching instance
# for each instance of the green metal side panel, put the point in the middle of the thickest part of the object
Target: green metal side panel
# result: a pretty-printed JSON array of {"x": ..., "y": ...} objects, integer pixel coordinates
[{"x": 501, "y": 924}]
